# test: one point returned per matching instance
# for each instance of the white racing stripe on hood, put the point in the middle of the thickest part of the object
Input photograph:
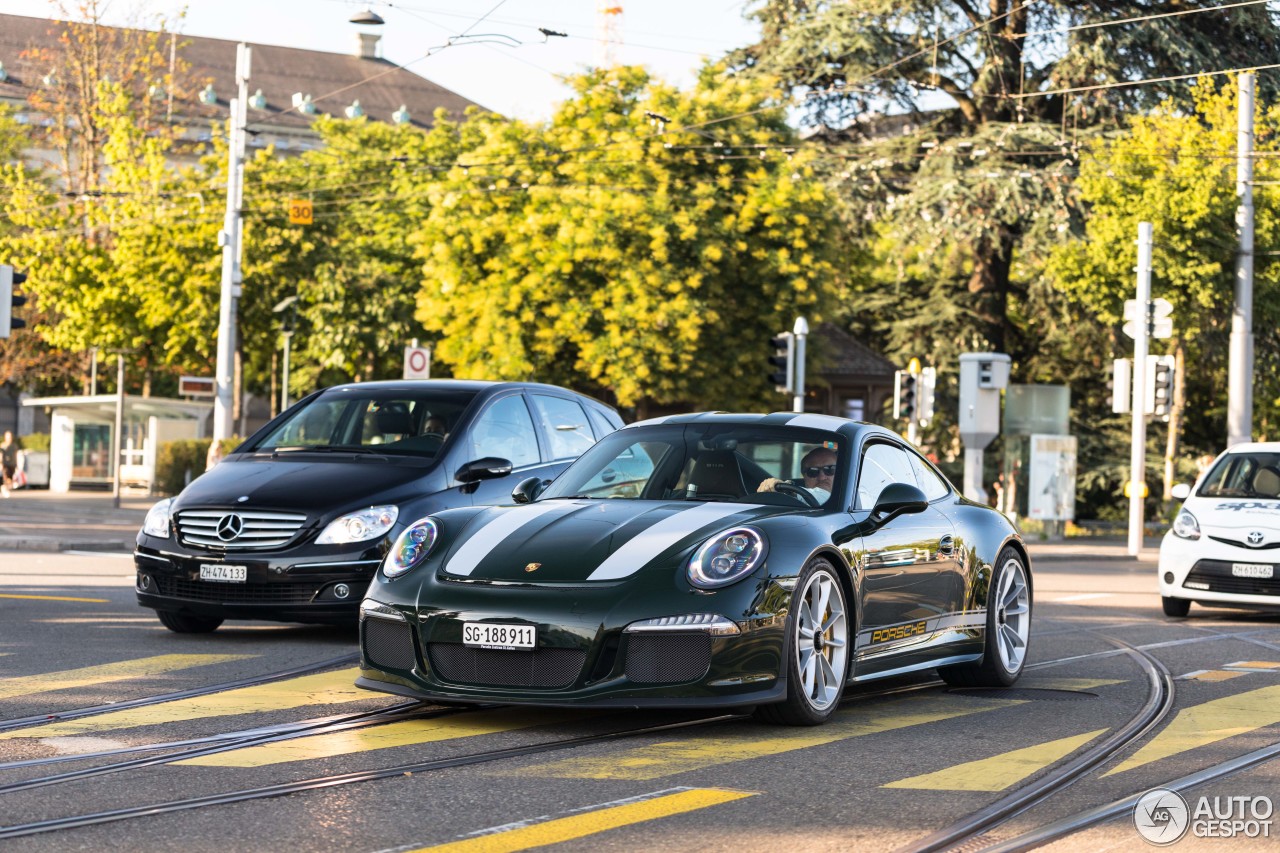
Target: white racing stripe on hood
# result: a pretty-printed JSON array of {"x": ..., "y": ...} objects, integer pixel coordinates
[
  {"x": 491, "y": 535},
  {"x": 647, "y": 544}
]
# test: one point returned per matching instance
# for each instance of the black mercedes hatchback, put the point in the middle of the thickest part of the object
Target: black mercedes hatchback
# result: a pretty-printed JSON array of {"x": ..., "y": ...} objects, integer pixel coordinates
[{"x": 292, "y": 525}]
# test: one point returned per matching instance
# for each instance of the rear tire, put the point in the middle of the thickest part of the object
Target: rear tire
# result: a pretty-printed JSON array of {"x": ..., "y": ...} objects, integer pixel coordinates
[
  {"x": 187, "y": 623},
  {"x": 1008, "y": 629},
  {"x": 1175, "y": 606},
  {"x": 819, "y": 632}
]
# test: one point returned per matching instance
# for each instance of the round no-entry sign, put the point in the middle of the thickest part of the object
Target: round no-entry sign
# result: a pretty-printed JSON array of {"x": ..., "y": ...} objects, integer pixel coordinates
[{"x": 417, "y": 362}]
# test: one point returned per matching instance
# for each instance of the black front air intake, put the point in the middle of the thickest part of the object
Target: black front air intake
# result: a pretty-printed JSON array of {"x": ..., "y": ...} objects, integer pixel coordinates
[
  {"x": 660, "y": 657},
  {"x": 387, "y": 644},
  {"x": 545, "y": 667}
]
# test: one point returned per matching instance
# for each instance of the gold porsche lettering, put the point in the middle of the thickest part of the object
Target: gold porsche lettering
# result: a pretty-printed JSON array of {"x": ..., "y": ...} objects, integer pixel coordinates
[
  {"x": 897, "y": 632},
  {"x": 533, "y": 567}
]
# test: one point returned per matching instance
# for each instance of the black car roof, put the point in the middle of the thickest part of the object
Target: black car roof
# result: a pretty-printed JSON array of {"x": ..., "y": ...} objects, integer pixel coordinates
[
  {"x": 849, "y": 428},
  {"x": 476, "y": 385}
]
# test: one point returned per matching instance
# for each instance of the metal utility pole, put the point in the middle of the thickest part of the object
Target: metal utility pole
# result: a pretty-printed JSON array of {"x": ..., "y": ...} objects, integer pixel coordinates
[
  {"x": 229, "y": 239},
  {"x": 119, "y": 442},
  {"x": 1138, "y": 457},
  {"x": 1240, "y": 370},
  {"x": 801, "y": 331}
]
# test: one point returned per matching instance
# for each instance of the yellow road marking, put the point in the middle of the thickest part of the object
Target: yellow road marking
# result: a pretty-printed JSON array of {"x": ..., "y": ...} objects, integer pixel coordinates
[
  {"x": 1209, "y": 723},
  {"x": 1210, "y": 675},
  {"x": 666, "y": 759},
  {"x": 105, "y": 673},
  {"x": 1268, "y": 665},
  {"x": 55, "y": 598},
  {"x": 999, "y": 771},
  {"x": 326, "y": 688},
  {"x": 556, "y": 830},
  {"x": 405, "y": 733}
]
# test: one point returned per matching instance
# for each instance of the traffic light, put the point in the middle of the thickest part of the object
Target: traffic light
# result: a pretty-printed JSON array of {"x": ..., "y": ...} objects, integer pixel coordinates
[
  {"x": 925, "y": 388},
  {"x": 1160, "y": 385},
  {"x": 9, "y": 279},
  {"x": 904, "y": 394},
  {"x": 782, "y": 364}
]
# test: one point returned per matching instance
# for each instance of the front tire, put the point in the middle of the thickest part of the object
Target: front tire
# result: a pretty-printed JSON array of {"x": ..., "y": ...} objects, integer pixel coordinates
[
  {"x": 187, "y": 623},
  {"x": 1008, "y": 629},
  {"x": 819, "y": 631},
  {"x": 1175, "y": 606}
]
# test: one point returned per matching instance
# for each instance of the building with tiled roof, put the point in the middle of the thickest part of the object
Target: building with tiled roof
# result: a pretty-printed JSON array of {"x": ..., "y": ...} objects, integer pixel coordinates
[{"x": 360, "y": 83}]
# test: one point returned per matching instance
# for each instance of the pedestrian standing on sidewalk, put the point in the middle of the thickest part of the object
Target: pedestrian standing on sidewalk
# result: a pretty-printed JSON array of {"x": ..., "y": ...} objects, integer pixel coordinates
[{"x": 8, "y": 462}]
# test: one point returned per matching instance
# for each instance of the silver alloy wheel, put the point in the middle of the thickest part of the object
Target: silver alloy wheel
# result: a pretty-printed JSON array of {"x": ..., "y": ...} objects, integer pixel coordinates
[
  {"x": 822, "y": 639},
  {"x": 1013, "y": 615}
]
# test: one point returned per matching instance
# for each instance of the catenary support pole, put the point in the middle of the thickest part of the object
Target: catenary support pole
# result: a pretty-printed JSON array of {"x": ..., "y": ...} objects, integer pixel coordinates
[
  {"x": 1240, "y": 368},
  {"x": 1138, "y": 458},
  {"x": 119, "y": 436},
  {"x": 801, "y": 331},
  {"x": 229, "y": 238}
]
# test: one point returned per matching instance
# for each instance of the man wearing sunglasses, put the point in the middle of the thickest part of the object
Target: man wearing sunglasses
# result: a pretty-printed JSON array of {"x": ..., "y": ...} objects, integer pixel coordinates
[{"x": 818, "y": 467}]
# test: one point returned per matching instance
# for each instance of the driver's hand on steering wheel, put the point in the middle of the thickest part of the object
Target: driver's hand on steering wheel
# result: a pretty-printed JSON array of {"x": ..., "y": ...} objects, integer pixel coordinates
[{"x": 769, "y": 484}]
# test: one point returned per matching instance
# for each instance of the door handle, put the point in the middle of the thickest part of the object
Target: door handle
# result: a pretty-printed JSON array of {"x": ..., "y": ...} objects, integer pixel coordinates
[{"x": 947, "y": 544}]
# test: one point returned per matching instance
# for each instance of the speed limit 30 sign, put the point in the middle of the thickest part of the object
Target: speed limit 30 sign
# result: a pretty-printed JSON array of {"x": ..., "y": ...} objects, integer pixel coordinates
[{"x": 417, "y": 362}]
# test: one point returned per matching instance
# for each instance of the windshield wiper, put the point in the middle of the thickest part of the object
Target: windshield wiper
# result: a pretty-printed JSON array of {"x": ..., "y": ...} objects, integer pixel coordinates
[{"x": 325, "y": 448}]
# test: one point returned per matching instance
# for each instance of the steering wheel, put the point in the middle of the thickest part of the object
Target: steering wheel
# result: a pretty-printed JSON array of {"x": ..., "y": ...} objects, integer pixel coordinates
[{"x": 792, "y": 489}]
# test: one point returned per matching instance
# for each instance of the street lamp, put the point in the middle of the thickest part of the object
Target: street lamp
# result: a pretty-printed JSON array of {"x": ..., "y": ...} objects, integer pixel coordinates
[
  {"x": 367, "y": 17},
  {"x": 286, "y": 329}
]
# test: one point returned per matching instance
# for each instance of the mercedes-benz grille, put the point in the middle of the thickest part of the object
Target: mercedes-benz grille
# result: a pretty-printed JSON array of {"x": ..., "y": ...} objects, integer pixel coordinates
[{"x": 238, "y": 529}]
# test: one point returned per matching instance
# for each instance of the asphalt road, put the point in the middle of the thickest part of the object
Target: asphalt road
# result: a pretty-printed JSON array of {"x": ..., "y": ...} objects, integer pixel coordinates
[{"x": 900, "y": 760}]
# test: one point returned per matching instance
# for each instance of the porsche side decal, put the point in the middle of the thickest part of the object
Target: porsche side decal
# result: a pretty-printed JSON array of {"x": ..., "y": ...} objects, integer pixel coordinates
[
  {"x": 647, "y": 544},
  {"x": 920, "y": 628},
  {"x": 492, "y": 534}
]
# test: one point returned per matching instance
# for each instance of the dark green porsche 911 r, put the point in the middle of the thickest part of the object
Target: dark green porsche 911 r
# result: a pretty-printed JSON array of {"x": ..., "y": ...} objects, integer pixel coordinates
[{"x": 705, "y": 560}]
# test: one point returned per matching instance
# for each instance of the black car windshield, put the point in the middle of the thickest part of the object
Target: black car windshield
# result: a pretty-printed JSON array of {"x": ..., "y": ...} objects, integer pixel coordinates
[
  {"x": 392, "y": 423},
  {"x": 708, "y": 462},
  {"x": 1243, "y": 475}
]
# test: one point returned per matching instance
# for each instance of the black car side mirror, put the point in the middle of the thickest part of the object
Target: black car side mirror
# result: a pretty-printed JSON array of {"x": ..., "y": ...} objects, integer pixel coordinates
[
  {"x": 486, "y": 468},
  {"x": 898, "y": 498},
  {"x": 528, "y": 490}
]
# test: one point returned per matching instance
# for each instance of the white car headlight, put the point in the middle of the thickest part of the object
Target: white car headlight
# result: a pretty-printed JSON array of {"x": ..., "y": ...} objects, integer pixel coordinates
[
  {"x": 726, "y": 557},
  {"x": 157, "y": 521},
  {"x": 359, "y": 526},
  {"x": 412, "y": 547},
  {"x": 1185, "y": 526}
]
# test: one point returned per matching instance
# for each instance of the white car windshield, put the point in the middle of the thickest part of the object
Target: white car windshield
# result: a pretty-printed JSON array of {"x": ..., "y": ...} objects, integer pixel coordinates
[{"x": 1243, "y": 475}]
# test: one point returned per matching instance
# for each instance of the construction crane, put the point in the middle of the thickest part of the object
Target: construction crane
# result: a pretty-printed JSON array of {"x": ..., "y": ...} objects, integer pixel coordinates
[{"x": 608, "y": 32}]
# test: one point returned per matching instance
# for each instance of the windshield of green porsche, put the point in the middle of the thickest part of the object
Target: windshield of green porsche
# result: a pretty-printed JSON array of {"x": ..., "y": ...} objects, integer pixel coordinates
[
  {"x": 406, "y": 423},
  {"x": 707, "y": 462}
]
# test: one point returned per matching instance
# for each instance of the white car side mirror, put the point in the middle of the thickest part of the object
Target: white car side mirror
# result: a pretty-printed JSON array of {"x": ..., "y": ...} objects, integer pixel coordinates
[{"x": 1181, "y": 491}]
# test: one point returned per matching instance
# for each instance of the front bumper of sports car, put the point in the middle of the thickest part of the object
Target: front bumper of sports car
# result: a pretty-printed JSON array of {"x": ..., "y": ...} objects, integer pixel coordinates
[
  {"x": 1207, "y": 569},
  {"x": 596, "y": 645}
]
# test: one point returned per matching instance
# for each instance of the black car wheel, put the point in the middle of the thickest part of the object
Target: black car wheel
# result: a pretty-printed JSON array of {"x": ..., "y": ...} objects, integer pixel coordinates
[
  {"x": 186, "y": 623},
  {"x": 1008, "y": 629},
  {"x": 1175, "y": 606},
  {"x": 818, "y": 650}
]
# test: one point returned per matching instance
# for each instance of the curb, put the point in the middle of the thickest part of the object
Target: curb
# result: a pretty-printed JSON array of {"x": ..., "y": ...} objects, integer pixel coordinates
[{"x": 28, "y": 543}]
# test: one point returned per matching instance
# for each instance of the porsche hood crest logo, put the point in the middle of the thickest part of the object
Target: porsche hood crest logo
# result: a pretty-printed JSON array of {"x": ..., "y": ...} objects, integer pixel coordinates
[{"x": 533, "y": 567}]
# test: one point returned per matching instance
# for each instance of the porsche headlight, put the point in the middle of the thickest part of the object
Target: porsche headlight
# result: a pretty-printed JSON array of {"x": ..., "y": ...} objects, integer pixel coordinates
[
  {"x": 1185, "y": 526},
  {"x": 727, "y": 557},
  {"x": 411, "y": 548},
  {"x": 157, "y": 520},
  {"x": 359, "y": 526}
]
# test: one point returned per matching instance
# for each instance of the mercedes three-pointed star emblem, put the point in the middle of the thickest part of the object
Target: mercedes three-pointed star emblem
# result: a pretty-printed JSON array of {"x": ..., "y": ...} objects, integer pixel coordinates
[{"x": 229, "y": 527}]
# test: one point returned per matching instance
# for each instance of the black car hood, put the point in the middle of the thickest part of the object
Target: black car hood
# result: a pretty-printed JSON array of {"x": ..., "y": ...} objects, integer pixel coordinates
[
  {"x": 575, "y": 541},
  {"x": 312, "y": 485}
]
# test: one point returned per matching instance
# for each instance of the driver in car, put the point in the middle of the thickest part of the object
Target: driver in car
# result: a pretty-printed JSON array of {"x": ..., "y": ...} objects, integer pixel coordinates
[{"x": 818, "y": 467}]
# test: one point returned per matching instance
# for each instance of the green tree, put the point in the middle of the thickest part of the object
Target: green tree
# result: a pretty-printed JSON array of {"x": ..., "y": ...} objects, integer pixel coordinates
[{"x": 648, "y": 267}]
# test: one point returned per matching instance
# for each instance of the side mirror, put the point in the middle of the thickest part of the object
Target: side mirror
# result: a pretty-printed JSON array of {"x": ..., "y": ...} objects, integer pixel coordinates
[
  {"x": 487, "y": 468},
  {"x": 527, "y": 490},
  {"x": 1180, "y": 492},
  {"x": 898, "y": 498}
]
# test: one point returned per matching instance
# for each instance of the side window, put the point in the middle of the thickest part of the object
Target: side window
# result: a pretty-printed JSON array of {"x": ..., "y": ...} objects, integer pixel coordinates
[
  {"x": 566, "y": 424},
  {"x": 505, "y": 429},
  {"x": 600, "y": 423},
  {"x": 931, "y": 484},
  {"x": 882, "y": 464}
]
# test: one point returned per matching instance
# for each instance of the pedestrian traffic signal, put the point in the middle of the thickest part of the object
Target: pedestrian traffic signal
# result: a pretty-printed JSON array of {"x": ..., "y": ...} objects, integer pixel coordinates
[
  {"x": 926, "y": 390},
  {"x": 1121, "y": 385},
  {"x": 9, "y": 279},
  {"x": 1160, "y": 386},
  {"x": 904, "y": 394},
  {"x": 782, "y": 364}
]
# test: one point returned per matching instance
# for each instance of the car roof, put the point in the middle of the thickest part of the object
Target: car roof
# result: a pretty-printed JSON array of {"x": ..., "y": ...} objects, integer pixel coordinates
[
  {"x": 808, "y": 420},
  {"x": 1255, "y": 447},
  {"x": 475, "y": 385}
]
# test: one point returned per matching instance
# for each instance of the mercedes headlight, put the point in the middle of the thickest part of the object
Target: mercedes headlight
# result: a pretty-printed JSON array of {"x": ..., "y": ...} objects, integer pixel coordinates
[
  {"x": 727, "y": 557},
  {"x": 412, "y": 547},
  {"x": 1185, "y": 526},
  {"x": 157, "y": 520},
  {"x": 359, "y": 526}
]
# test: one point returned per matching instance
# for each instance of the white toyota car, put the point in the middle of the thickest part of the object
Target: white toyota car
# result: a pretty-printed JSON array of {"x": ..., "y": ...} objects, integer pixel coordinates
[{"x": 1225, "y": 543}]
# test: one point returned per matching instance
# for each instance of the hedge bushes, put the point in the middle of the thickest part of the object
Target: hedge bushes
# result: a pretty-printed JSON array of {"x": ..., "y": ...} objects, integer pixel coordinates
[{"x": 180, "y": 462}]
